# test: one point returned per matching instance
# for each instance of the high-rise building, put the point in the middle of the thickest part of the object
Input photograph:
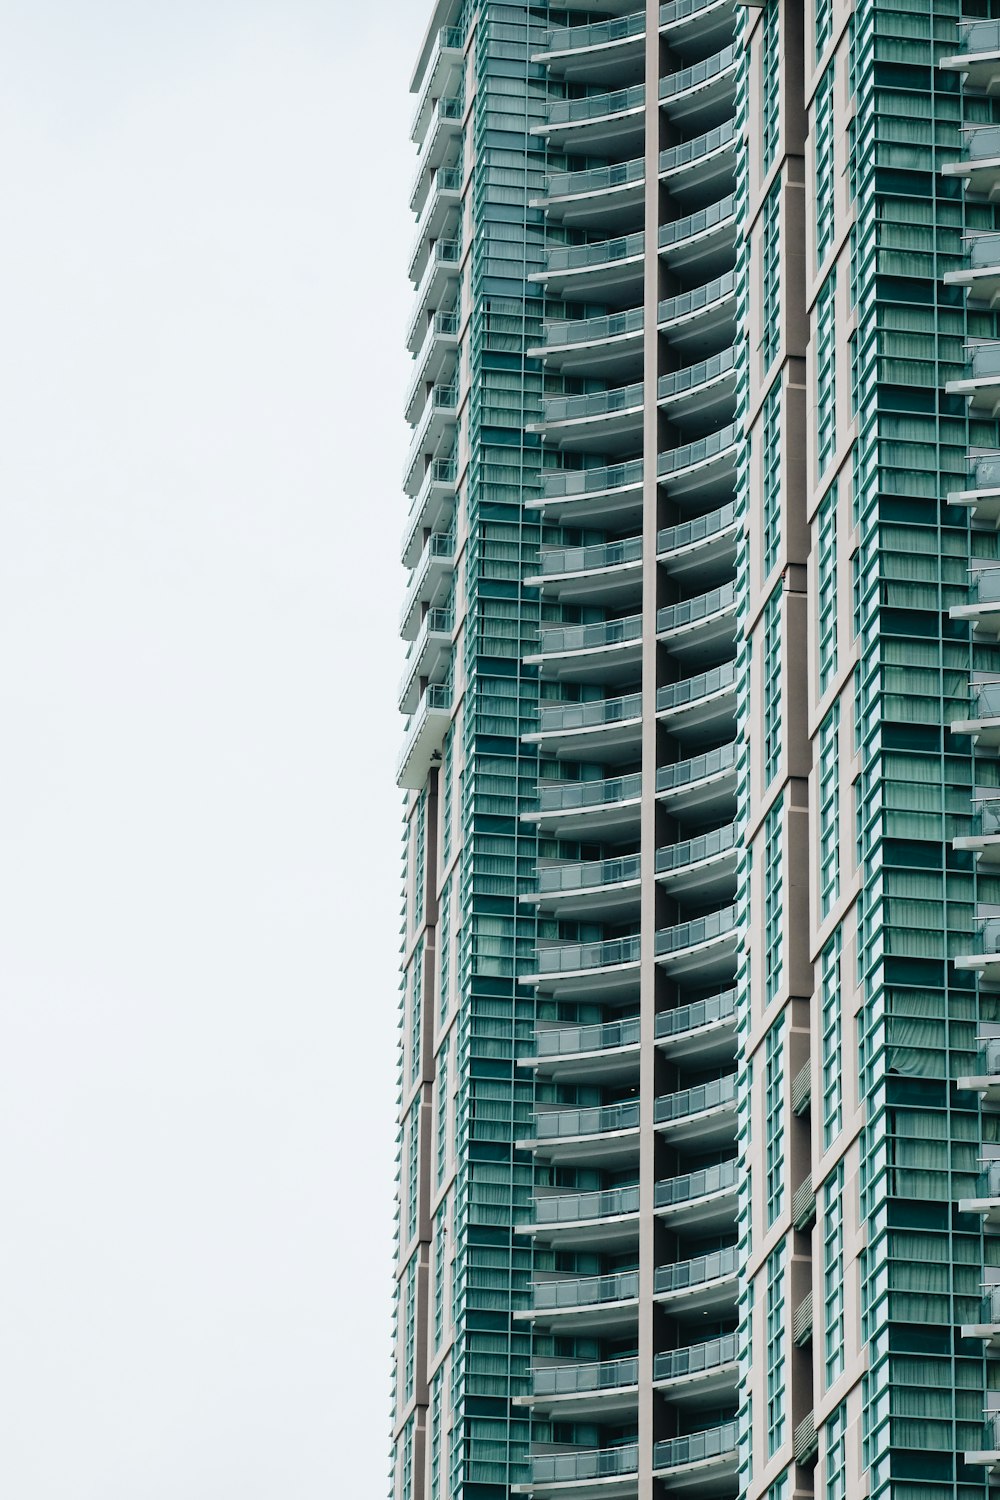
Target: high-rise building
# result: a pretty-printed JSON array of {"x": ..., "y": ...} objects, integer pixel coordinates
[{"x": 699, "y": 1131}]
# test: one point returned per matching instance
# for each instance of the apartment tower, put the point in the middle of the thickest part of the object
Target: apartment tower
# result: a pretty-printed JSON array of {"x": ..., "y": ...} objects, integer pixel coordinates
[{"x": 699, "y": 1108}]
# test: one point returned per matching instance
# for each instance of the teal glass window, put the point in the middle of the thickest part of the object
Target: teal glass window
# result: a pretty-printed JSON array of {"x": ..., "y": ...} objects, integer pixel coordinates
[
  {"x": 779, "y": 1489},
  {"x": 444, "y": 929},
  {"x": 409, "y": 1328},
  {"x": 772, "y": 477},
  {"x": 832, "y": 1040},
  {"x": 771, "y": 258},
  {"x": 833, "y": 1275},
  {"x": 772, "y": 686},
  {"x": 829, "y": 810},
  {"x": 775, "y": 1317},
  {"x": 419, "y": 853},
  {"x": 774, "y": 1120},
  {"x": 773, "y": 926},
  {"x": 836, "y": 1455},
  {"x": 825, "y": 180},
  {"x": 416, "y": 1010},
  {"x": 770, "y": 90},
  {"x": 826, "y": 527},
  {"x": 412, "y": 1172},
  {"x": 826, "y": 374},
  {"x": 441, "y": 1126},
  {"x": 437, "y": 1403},
  {"x": 447, "y": 795},
  {"x": 823, "y": 26},
  {"x": 440, "y": 1272},
  {"x": 406, "y": 1461}
]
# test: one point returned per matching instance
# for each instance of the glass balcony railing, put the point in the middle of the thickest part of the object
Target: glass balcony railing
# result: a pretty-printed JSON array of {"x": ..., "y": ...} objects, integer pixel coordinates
[
  {"x": 698, "y": 223},
  {"x": 988, "y": 1181},
  {"x": 697, "y": 1359},
  {"x": 694, "y": 1185},
  {"x": 685, "y": 1275},
  {"x": 563, "y": 483},
  {"x": 690, "y": 611},
  {"x": 440, "y": 546},
  {"x": 679, "y": 10},
  {"x": 983, "y": 250},
  {"x": 679, "y": 381},
  {"x": 585, "y": 1463},
  {"x": 718, "y": 924},
  {"x": 600, "y": 713},
  {"x": 596, "y": 252},
  {"x": 568, "y": 795},
  {"x": 598, "y": 34},
  {"x": 593, "y": 330},
  {"x": 984, "y": 472},
  {"x": 566, "y": 1124},
  {"x": 984, "y": 358},
  {"x": 695, "y": 1101},
  {"x": 698, "y": 768},
  {"x": 586, "y": 1291},
  {"x": 671, "y": 309},
  {"x": 596, "y": 179},
  {"x": 691, "y": 689},
  {"x": 690, "y": 454},
  {"x": 700, "y": 146},
  {"x": 990, "y": 1439},
  {"x": 587, "y": 876},
  {"x": 687, "y": 533},
  {"x": 699, "y": 1447},
  {"x": 985, "y": 820},
  {"x": 699, "y": 72},
  {"x": 569, "y": 1041},
  {"x": 434, "y": 622},
  {"x": 569, "y": 958},
  {"x": 989, "y": 1307},
  {"x": 597, "y": 404},
  {"x": 984, "y": 700},
  {"x": 557, "y": 638},
  {"x": 984, "y": 583},
  {"x": 694, "y": 851},
  {"x": 575, "y": 1380},
  {"x": 982, "y": 142},
  {"x": 573, "y": 1208},
  {"x": 597, "y": 106},
  {"x": 979, "y": 36},
  {"x": 986, "y": 1063},
  {"x": 436, "y": 697},
  {"x": 554, "y": 561},
  {"x": 707, "y": 1012}
]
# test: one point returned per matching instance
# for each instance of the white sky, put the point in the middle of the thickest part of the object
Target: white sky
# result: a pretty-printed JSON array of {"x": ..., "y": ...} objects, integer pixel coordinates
[{"x": 203, "y": 238}]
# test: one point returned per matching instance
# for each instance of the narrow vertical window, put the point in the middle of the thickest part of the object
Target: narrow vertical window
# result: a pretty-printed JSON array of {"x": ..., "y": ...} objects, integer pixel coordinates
[
  {"x": 771, "y": 260},
  {"x": 824, "y": 25},
  {"x": 833, "y": 1275},
  {"x": 772, "y": 686},
  {"x": 442, "y": 1113},
  {"x": 771, "y": 488},
  {"x": 826, "y": 374},
  {"x": 832, "y": 1041},
  {"x": 829, "y": 810},
  {"x": 770, "y": 91},
  {"x": 773, "y": 903},
  {"x": 775, "y": 1350},
  {"x": 826, "y": 526},
  {"x": 825, "y": 180},
  {"x": 774, "y": 1120},
  {"x": 836, "y": 1455}
]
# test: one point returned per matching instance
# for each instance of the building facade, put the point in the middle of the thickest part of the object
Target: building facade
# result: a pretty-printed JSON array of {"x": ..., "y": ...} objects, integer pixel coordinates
[{"x": 699, "y": 1106}]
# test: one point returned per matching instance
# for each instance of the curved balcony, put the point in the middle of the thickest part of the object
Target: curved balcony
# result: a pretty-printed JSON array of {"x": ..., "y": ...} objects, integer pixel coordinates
[
  {"x": 606, "y": 1388},
  {"x": 602, "y": 50},
  {"x": 983, "y": 836},
  {"x": 984, "y": 1078},
  {"x": 701, "y": 1458},
  {"x": 983, "y": 722},
  {"x": 982, "y": 385},
  {"x": 607, "y": 1050},
  {"x": 703, "y": 1374},
  {"x": 603, "y": 421},
  {"x": 602, "y": 887},
  {"x": 706, "y": 543},
  {"x": 704, "y": 1029},
  {"x": 607, "y": 650},
  {"x": 987, "y": 1324},
  {"x": 705, "y": 1113},
  {"x": 588, "y": 1473},
  {"x": 983, "y": 608},
  {"x": 703, "y": 1200},
  {"x": 604, "y": 124},
  {"x": 702, "y": 868},
  {"x": 430, "y": 577},
  {"x": 706, "y": 946},
  {"x": 601, "y": 727},
  {"x": 699, "y": 627},
  {"x": 442, "y": 144},
  {"x": 986, "y": 1195},
  {"x": 425, "y": 734},
  {"x": 603, "y": 968},
  {"x": 704, "y": 784},
  {"x": 987, "y": 1455},
  {"x": 584, "y": 1302},
  {"x": 594, "y": 809},
  {"x": 596, "y": 269},
  {"x": 595, "y": 345},
  {"x": 702, "y": 394},
  {"x": 980, "y": 166},
  {"x": 604, "y": 1133},
  {"x": 685, "y": 21},
  {"x": 438, "y": 285},
  {"x": 978, "y": 55},
  {"x": 705, "y": 468},
  {"x": 700, "y": 707},
  {"x": 434, "y": 503},
  {"x": 595, "y": 197},
  {"x": 577, "y": 1221},
  {"x": 428, "y": 657},
  {"x": 599, "y": 496},
  {"x": 706, "y": 1285},
  {"x": 704, "y": 90},
  {"x": 703, "y": 167},
  {"x": 704, "y": 241},
  {"x": 704, "y": 315},
  {"x": 981, "y": 277},
  {"x": 603, "y": 570},
  {"x": 983, "y": 495}
]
